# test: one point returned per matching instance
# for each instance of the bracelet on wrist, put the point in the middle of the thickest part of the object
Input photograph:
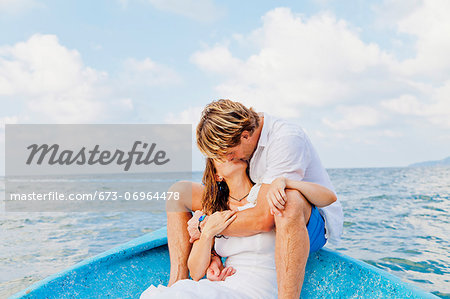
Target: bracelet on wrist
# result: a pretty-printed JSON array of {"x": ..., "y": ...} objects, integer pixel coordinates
[{"x": 200, "y": 220}]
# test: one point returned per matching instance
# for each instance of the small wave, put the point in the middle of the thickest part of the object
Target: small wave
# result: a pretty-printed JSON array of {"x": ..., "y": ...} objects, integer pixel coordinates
[{"x": 408, "y": 265}]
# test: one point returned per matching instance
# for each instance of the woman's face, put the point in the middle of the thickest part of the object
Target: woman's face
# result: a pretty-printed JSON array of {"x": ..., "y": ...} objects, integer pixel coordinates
[{"x": 230, "y": 168}]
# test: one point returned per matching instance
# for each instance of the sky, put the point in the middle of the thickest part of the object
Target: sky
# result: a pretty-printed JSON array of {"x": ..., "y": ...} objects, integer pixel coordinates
[{"x": 369, "y": 81}]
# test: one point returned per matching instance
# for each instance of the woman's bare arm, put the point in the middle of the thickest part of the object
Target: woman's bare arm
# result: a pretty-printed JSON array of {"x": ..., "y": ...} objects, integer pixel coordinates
[
  {"x": 316, "y": 194},
  {"x": 200, "y": 256}
]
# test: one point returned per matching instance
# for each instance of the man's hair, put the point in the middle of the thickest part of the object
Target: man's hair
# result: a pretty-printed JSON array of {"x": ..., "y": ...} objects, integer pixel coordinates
[{"x": 221, "y": 126}]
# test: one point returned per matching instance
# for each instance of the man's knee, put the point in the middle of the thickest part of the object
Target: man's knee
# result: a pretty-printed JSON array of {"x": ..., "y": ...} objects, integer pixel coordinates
[
  {"x": 297, "y": 208},
  {"x": 180, "y": 199},
  {"x": 181, "y": 187},
  {"x": 185, "y": 196}
]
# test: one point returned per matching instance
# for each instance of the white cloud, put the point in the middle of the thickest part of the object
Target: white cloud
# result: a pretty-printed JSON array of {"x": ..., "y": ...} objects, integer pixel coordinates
[
  {"x": 428, "y": 23},
  {"x": 190, "y": 115},
  {"x": 440, "y": 110},
  {"x": 299, "y": 63},
  {"x": 352, "y": 117},
  {"x": 433, "y": 106},
  {"x": 51, "y": 79},
  {"x": 405, "y": 104},
  {"x": 217, "y": 60},
  {"x": 46, "y": 82},
  {"x": 320, "y": 64},
  {"x": 389, "y": 133},
  {"x": 8, "y": 120},
  {"x": 147, "y": 72}
]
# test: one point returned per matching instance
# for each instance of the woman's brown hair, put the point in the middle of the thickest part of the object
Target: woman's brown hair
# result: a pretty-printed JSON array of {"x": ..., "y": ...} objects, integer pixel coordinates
[{"x": 215, "y": 194}]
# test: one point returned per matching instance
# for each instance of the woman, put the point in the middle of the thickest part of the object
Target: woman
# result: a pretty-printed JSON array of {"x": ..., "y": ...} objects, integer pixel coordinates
[{"x": 250, "y": 266}]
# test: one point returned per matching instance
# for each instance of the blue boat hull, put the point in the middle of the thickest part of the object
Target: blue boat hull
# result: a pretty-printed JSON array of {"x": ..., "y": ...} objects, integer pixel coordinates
[{"x": 127, "y": 270}]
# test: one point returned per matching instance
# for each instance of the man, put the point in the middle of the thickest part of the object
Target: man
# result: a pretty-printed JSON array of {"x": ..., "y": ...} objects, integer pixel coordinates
[{"x": 227, "y": 131}]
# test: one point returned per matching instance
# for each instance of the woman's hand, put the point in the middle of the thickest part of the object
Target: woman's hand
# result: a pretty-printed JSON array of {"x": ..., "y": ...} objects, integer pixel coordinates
[
  {"x": 193, "y": 225},
  {"x": 216, "y": 271},
  {"x": 217, "y": 222},
  {"x": 276, "y": 196}
]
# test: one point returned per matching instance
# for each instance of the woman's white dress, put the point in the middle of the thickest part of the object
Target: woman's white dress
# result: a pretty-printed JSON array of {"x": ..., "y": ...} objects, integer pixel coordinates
[{"x": 253, "y": 258}]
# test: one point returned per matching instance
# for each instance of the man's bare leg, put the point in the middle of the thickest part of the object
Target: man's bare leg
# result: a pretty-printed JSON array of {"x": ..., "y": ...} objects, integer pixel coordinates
[
  {"x": 292, "y": 245},
  {"x": 178, "y": 214}
]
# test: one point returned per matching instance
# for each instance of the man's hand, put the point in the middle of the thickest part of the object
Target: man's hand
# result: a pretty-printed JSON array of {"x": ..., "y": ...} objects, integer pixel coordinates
[
  {"x": 216, "y": 271},
  {"x": 193, "y": 223},
  {"x": 276, "y": 196}
]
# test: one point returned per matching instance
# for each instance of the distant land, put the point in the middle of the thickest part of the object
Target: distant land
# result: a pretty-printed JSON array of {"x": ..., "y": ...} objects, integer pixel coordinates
[{"x": 443, "y": 162}]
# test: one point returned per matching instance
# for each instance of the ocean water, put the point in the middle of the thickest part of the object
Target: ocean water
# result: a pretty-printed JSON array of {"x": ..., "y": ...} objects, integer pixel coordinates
[{"x": 396, "y": 219}]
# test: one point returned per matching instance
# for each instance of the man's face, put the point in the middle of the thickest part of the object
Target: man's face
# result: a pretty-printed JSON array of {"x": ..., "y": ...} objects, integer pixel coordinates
[
  {"x": 236, "y": 153},
  {"x": 243, "y": 151}
]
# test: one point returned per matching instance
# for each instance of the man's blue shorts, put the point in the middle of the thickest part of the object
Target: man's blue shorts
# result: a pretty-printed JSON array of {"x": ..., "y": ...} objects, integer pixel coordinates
[{"x": 316, "y": 230}]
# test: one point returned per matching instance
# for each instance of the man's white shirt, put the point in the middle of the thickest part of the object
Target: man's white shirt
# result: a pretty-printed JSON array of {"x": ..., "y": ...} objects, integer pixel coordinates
[{"x": 284, "y": 149}]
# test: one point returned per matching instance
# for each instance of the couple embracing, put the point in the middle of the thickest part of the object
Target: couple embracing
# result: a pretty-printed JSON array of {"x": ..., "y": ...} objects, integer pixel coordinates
[{"x": 264, "y": 204}]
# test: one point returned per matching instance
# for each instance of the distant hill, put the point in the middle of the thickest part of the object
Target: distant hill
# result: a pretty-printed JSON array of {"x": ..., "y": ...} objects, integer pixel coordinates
[{"x": 442, "y": 162}]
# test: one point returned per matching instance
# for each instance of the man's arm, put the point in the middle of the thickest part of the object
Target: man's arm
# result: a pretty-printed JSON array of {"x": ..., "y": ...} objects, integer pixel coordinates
[{"x": 254, "y": 220}]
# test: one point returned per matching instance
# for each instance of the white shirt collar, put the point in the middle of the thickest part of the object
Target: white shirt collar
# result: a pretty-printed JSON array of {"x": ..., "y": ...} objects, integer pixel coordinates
[{"x": 265, "y": 131}]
